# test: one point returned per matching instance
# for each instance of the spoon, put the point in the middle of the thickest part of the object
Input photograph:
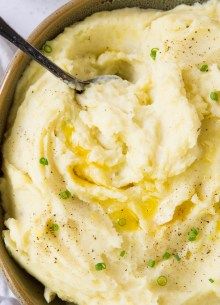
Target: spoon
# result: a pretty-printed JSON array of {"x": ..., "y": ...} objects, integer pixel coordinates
[{"x": 79, "y": 85}]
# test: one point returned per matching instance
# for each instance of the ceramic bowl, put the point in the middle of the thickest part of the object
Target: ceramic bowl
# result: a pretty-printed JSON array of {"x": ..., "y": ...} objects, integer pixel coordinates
[{"x": 28, "y": 290}]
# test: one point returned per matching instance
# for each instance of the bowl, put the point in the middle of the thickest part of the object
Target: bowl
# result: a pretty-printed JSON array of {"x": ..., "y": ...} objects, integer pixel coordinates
[{"x": 28, "y": 290}]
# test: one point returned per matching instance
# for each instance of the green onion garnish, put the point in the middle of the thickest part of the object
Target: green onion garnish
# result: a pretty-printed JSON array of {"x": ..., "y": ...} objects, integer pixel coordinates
[
  {"x": 166, "y": 255},
  {"x": 65, "y": 194},
  {"x": 122, "y": 254},
  {"x": 177, "y": 257},
  {"x": 151, "y": 263},
  {"x": 54, "y": 227},
  {"x": 214, "y": 96},
  {"x": 192, "y": 235},
  {"x": 100, "y": 266},
  {"x": 47, "y": 48},
  {"x": 211, "y": 281},
  {"x": 121, "y": 222},
  {"x": 153, "y": 53},
  {"x": 162, "y": 280},
  {"x": 43, "y": 161},
  {"x": 204, "y": 68}
]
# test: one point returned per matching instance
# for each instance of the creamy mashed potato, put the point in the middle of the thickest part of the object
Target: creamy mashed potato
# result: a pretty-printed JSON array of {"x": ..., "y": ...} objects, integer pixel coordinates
[{"x": 112, "y": 195}]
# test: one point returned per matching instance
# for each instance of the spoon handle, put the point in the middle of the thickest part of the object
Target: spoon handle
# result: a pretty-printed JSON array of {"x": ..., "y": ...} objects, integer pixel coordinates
[{"x": 7, "y": 32}]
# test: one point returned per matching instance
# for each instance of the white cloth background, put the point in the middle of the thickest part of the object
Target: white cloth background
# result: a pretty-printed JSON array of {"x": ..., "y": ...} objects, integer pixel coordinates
[{"x": 24, "y": 16}]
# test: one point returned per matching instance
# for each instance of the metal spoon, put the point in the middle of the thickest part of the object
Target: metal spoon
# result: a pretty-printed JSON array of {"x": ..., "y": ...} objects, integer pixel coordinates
[{"x": 79, "y": 85}]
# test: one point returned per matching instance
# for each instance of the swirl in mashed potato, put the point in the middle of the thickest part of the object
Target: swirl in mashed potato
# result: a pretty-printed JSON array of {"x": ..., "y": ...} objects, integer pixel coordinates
[{"x": 112, "y": 195}]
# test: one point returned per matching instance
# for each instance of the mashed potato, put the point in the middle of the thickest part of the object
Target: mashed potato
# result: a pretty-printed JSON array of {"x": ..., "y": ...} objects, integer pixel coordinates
[{"x": 112, "y": 195}]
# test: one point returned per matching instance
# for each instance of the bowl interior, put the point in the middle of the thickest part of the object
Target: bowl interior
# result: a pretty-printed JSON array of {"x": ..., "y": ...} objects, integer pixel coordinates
[{"x": 29, "y": 290}]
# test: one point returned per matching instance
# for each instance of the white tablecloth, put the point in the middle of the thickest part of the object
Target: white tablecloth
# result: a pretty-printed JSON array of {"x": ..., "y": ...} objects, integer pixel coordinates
[{"x": 24, "y": 16}]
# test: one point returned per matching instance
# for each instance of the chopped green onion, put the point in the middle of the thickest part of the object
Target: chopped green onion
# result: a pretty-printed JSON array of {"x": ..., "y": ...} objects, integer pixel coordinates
[
  {"x": 121, "y": 222},
  {"x": 100, "y": 266},
  {"x": 151, "y": 263},
  {"x": 166, "y": 255},
  {"x": 177, "y": 257},
  {"x": 214, "y": 96},
  {"x": 54, "y": 227},
  {"x": 192, "y": 235},
  {"x": 204, "y": 68},
  {"x": 153, "y": 53},
  {"x": 122, "y": 254},
  {"x": 65, "y": 194},
  {"x": 211, "y": 281},
  {"x": 162, "y": 280},
  {"x": 47, "y": 48},
  {"x": 43, "y": 161}
]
